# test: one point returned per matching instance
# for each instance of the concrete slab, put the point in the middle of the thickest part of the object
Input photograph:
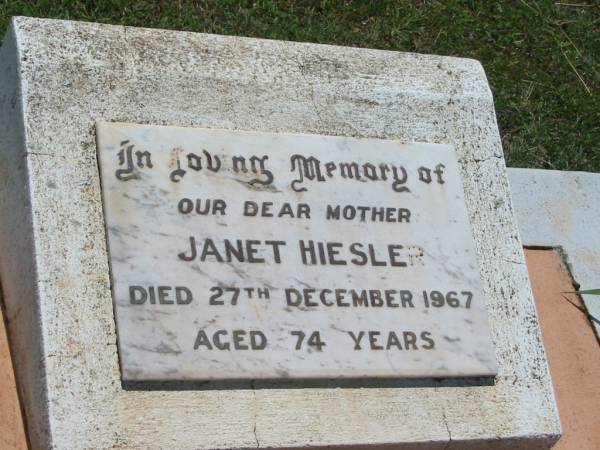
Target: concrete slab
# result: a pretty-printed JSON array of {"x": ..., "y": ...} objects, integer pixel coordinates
[{"x": 561, "y": 209}]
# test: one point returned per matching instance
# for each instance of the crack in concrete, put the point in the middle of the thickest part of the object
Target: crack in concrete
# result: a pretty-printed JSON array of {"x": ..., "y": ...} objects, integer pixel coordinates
[
  {"x": 487, "y": 158},
  {"x": 512, "y": 261},
  {"x": 448, "y": 430},
  {"x": 254, "y": 412},
  {"x": 50, "y": 155},
  {"x": 312, "y": 90}
]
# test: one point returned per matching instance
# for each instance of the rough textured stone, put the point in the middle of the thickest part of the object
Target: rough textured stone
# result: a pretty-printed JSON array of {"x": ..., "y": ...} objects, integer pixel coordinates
[{"x": 59, "y": 77}]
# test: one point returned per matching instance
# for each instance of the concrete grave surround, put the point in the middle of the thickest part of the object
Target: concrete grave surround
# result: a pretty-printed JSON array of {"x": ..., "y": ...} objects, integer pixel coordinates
[
  {"x": 560, "y": 209},
  {"x": 57, "y": 78}
]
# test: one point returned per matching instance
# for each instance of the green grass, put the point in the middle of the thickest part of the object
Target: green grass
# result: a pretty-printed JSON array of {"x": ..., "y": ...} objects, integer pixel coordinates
[{"x": 541, "y": 57}]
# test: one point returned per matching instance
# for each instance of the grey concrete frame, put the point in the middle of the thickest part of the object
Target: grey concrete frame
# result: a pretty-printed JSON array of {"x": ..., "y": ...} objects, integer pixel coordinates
[{"x": 57, "y": 78}]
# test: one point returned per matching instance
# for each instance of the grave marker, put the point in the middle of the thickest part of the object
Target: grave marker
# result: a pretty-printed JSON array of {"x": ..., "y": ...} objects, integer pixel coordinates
[
  {"x": 59, "y": 80},
  {"x": 240, "y": 255}
]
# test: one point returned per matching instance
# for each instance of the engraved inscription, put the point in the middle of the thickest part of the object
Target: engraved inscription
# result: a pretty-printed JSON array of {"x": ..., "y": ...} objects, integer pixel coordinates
[{"x": 245, "y": 255}]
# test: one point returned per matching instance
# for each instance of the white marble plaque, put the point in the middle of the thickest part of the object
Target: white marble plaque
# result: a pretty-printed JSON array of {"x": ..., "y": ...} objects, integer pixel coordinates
[{"x": 246, "y": 255}]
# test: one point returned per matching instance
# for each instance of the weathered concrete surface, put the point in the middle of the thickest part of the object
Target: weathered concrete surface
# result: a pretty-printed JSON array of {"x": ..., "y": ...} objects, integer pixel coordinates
[
  {"x": 59, "y": 77},
  {"x": 560, "y": 209},
  {"x": 17, "y": 248},
  {"x": 12, "y": 433},
  {"x": 572, "y": 349}
]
